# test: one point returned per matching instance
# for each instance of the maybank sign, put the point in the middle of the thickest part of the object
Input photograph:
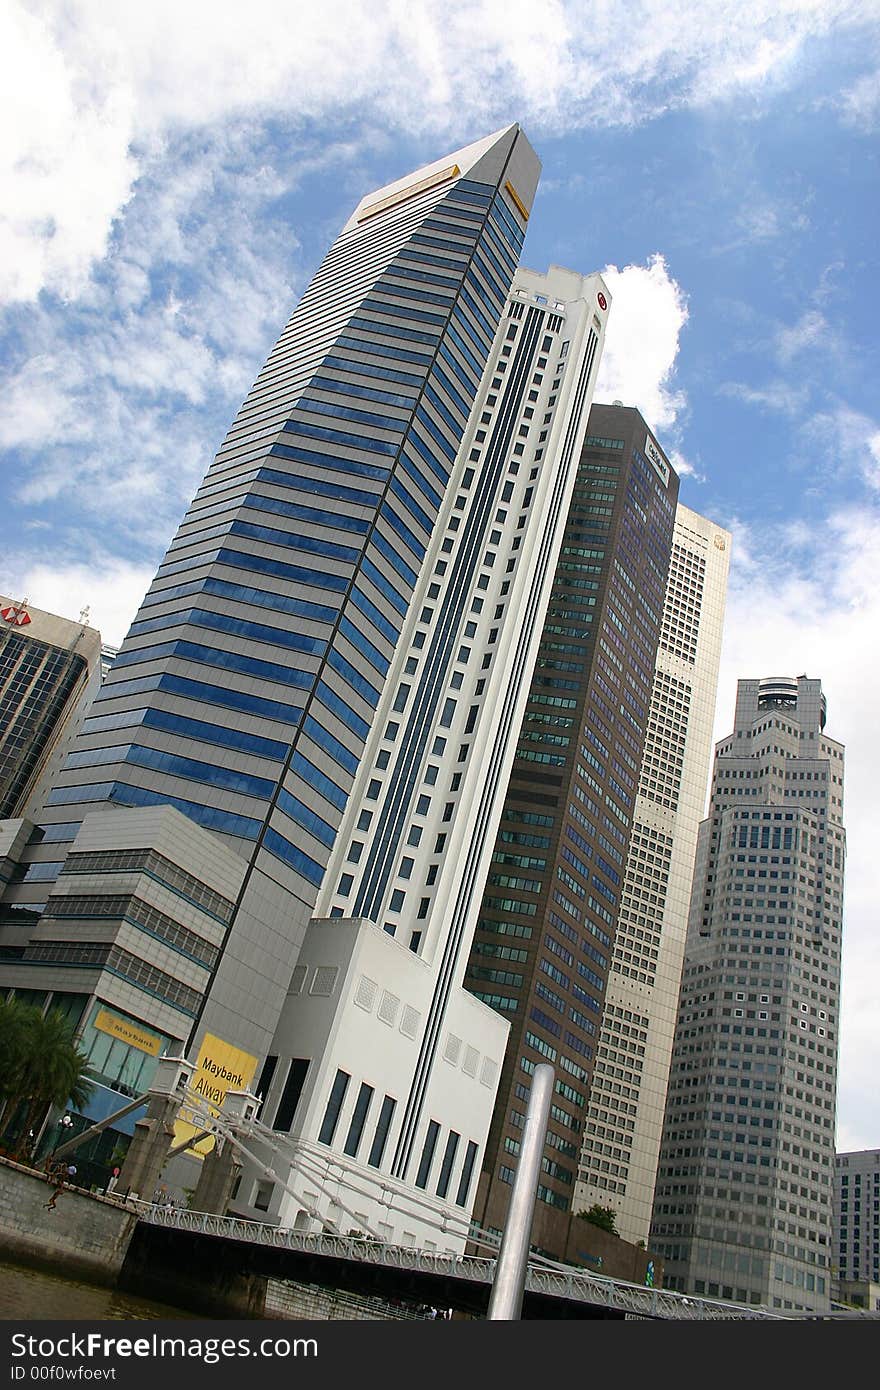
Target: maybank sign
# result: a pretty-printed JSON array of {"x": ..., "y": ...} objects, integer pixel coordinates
[
  {"x": 127, "y": 1032},
  {"x": 219, "y": 1068},
  {"x": 656, "y": 459}
]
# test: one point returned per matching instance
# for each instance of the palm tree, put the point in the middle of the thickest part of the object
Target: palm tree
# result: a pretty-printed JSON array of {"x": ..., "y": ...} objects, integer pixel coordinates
[
  {"x": 44, "y": 1065},
  {"x": 13, "y": 1021}
]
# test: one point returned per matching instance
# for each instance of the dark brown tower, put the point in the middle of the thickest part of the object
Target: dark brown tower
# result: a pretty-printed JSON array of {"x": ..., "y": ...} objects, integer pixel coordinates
[{"x": 543, "y": 943}]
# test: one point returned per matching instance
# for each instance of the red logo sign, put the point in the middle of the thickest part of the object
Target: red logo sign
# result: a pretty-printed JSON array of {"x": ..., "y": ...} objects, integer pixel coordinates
[
  {"x": 603, "y": 302},
  {"x": 19, "y": 616}
]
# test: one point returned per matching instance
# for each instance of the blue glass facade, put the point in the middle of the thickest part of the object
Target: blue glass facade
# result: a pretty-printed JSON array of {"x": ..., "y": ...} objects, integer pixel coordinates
[{"x": 246, "y": 687}]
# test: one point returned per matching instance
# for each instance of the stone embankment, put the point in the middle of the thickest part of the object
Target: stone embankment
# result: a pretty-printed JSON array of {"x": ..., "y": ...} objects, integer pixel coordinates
[{"x": 85, "y": 1236}]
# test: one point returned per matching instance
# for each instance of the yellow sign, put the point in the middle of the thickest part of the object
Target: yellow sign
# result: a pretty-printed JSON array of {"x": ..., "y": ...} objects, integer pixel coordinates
[
  {"x": 127, "y": 1032},
  {"x": 420, "y": 186},
  {"x": 509, "y": 188},
  {"x": 219, "y": 1068}
]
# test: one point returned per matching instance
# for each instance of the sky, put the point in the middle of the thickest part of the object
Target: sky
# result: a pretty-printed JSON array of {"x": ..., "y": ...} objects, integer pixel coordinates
[{"x": 171, "y": 175}]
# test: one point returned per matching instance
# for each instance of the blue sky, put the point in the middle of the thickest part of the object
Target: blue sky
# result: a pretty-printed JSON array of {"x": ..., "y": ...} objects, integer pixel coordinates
[{"x": 170, "y": 176}]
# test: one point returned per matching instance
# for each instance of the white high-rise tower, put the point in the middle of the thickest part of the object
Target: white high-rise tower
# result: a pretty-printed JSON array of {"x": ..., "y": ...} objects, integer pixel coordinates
[
  {"x": 743, "y": 1204},
  {"x": 388, "y": 1069}
]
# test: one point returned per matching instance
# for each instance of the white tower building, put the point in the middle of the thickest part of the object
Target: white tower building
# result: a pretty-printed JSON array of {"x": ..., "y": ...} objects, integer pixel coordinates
[
  {"x": 743, "y": 1203},
  {"x": 387, "y": 1067}
]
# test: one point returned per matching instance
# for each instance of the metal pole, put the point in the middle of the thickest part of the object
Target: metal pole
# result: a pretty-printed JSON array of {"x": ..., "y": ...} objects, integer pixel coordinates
[
  {"x": 74, "y": 1143},
  {"x": 509, "y": 1284}
]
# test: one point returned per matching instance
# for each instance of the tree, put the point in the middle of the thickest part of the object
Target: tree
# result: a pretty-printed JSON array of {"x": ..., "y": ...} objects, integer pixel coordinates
[
  {"x": 13, "y": 1020},
  {"x": 43, "y": 1065},
  {"x": 604, "y": 1217}
]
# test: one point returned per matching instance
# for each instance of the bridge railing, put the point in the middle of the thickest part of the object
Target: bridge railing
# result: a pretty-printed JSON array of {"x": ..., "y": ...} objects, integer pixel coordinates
[{"x": 576, "y": 1286}]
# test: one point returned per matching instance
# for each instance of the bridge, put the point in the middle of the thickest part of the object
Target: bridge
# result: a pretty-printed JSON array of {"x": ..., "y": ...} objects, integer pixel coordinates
[{"x": 221, "y": 1248}]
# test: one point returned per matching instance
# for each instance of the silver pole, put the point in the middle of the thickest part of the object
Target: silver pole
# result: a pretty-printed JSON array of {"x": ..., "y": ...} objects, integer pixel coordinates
[
  {"x": 68, "y": 1147},
  {"x": 505, "y": 1304}
]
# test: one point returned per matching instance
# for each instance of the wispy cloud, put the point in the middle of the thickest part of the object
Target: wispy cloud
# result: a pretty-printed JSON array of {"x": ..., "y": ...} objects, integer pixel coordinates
[
  {"x": 116, "y": 401},
  {"x": 860, "y": 105},
  {"x": 788, "y": 397},
  {"x": 849, "y": 441},
  {"x": 94, "y": 89},
  {"x": 810, "y": 329}
]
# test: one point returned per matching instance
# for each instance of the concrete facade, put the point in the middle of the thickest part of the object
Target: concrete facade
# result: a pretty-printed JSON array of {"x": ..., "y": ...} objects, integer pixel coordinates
[
  {"x": 743, "y": 1202},
  {"x": 856, "y": 1249}
]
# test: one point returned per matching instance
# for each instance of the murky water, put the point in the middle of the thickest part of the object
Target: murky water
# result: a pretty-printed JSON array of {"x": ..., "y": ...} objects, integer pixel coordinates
[{"x": 30, "y": 1294}]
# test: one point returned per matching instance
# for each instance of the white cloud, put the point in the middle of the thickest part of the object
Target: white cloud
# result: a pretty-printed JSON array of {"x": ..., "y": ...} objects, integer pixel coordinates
[
  {"x": 110, "y": 588},
  {"x": 849, "y": 441},
  {"x": 92, "y": 90},
  {"x": 809, "y": 329},
  {"x": 814, "y": 612},
  {"x": 119, "y": 400},
  {"x": 683, "y": 466},
  {"x": 860, "y": 106},
  {"x": 65, "y": 167},
  {"x": 648, "y": 313},
  {"x": 788, "y": 397}
]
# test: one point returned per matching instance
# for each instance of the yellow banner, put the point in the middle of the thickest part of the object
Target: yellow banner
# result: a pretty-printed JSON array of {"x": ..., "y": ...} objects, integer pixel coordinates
[
  {"x": 219, "y": 1068},
  {"x": 127, "y": 1032}
]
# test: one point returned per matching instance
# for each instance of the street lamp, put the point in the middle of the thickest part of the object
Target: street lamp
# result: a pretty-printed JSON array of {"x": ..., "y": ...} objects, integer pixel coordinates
[{"x": 65, "y": 1125}]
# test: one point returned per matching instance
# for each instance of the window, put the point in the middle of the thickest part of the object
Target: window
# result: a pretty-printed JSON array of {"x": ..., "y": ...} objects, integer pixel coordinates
[
  {"x": 334, "y": 1106},
  {"x": 448, "y": 1161},
  {"x": 427, "y": 1154},
  {"x": 467, "y": 1170},
  {"x": 263, "y": 1195},
  {"x": 380, "y": 1138},
  {"x": 291, "y": 1094},
  {"x": 358, "y": 1120}
]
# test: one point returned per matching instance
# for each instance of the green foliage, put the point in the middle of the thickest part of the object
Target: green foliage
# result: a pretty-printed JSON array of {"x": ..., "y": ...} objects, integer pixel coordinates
[
  {"x": 42, "y": 1065},
  {"x": 603, "y": 1217}
]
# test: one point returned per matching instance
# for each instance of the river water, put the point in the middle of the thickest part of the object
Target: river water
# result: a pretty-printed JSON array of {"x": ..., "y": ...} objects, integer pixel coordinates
[{"x": 29, "y": 1295}]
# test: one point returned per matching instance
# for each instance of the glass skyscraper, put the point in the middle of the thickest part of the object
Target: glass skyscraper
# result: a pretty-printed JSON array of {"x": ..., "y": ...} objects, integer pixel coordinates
[
  {"x": 48, "y": 673},
  {"x": 351, "y": 602},
  {"x": 625, "y": 1115},
  {"x": 542, "y": 950}
]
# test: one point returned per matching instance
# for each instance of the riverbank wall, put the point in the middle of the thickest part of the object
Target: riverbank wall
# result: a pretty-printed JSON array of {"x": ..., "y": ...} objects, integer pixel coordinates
[{"x": 85, "y": 1236}]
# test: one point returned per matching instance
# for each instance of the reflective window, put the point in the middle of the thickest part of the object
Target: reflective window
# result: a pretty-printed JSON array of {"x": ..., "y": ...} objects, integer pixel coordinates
[
  {"x": 324, "y": 739},
  {"x": 314, "y": 777},
  {"x": 313, "y": 545},
  {"x": 298, "y": 573},
  {"x": 364, "y": 646},
  {"x": 355, "y": 441},
  {"x": 334, "y": 702},
  {"x": 306, "y": 817},
  {"x": 290, "y": 854}
]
